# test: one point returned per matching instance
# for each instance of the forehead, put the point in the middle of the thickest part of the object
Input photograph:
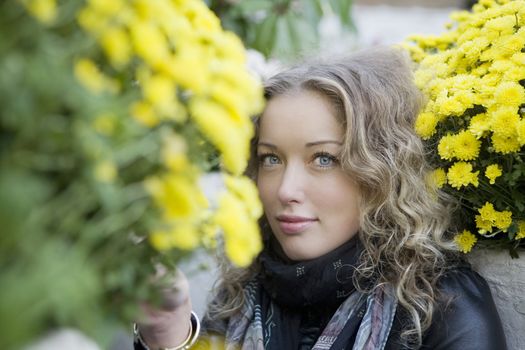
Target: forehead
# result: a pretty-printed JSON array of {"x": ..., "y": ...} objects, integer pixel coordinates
[{"x": 303, "y": 113}]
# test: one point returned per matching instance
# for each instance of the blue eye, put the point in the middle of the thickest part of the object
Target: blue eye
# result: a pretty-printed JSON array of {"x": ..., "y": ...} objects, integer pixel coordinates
[
  {"x": 325, "y": 160},
  {"x": 268, "y": 159}
]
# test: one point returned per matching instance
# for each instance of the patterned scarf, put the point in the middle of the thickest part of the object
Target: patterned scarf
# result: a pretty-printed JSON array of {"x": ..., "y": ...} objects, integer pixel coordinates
[{"x": 264, "y": 321}]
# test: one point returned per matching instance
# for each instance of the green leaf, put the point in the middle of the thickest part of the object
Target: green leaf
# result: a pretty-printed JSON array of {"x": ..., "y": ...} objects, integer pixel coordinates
[
  {"x": 283, "y": 44},
  {"x": 342, "y": 9},
  {"x": 248, "y": 7},
  {"x": 265, "y": 35}
]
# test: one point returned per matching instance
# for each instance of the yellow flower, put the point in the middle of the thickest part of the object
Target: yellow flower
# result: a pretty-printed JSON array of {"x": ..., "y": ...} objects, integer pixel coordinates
[
  {"x": 446, "y": 147},
  {"x": 465, "y": 241},
  {"x": 488, "y": 212},
  {"x": 183, "y": 235},
  {"x": 246, "y": 190},
  {"x": 44, "y": 10},
  {"x": 492, "y": 172},
  {"x": 143, "y": 113},
  {"x": 460, "y": 174},
  {"x": 105, "y": 171},
  {"x": 177, "y": 67},
  {"x": 158, "y": 90},
  {"x": 503, "y": 25},
  {"x": 149, "y": 42},
  {"x": 177, "y": 195},
  {"x": 452, "y": 106},
  {"x": 92, "y": 78},
  {"x": 503, "y": 220},
  {"x": 116, "y": 45},
  {"x": 230, "y": 136},
  {"x": 422, "y": 77},
  {"x": 92, "y": 21},
  {"x": 438, "y": 177},
  {"x": 426, "y": 125},
  {"x": 505, "y": 143},
  {"x": 466, "y": 146},
  {"x": 479, "y": 125},
  {"x": 490, "y": 217},
  {"x": 483, "y": 226},
  {"x": 174, "y": 153},
  {"x": 242, "y": 237},
  {"x": 504, "y": 121},
  {"x": 509, "y": 94},
  {"x": 160, "y": 240},
  {"x": 106, "y": 8},
  {"x": 521, "y": 230}
]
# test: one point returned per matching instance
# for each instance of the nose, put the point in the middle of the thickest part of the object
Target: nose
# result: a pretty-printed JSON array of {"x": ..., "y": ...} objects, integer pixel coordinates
[{"x": 291, "y": 188}]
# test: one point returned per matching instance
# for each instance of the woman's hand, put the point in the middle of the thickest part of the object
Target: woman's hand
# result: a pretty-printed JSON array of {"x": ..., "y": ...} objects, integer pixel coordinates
[{"x": 169, "y": 325}]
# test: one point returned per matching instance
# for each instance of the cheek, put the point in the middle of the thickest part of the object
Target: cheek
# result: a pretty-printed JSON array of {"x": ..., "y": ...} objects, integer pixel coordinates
[
  {"x": 339, "y": 200},
  {"x": 266, "y": 190}
]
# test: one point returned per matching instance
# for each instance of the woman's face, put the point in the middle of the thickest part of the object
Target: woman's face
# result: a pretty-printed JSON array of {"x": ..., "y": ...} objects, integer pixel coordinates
[{"x": 310, "y": 203}]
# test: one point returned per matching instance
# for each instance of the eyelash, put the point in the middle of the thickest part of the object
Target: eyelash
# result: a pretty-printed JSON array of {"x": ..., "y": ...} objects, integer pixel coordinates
[
  {"x": 262, "y": 157},
  {"x": 329, "y": 156}
]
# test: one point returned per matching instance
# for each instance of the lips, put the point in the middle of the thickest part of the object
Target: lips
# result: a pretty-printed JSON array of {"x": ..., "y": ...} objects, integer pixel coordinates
[{"x": 290, "y": 224}]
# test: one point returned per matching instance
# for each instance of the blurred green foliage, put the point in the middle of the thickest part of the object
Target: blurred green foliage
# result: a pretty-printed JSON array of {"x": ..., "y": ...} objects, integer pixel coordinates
[
  {"x": 283, "y": 29},
  {"x": 67, "y": 251}
]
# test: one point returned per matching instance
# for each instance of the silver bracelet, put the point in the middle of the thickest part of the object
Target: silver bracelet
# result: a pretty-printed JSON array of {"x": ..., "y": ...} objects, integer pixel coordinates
[{"x": 195, "y": 328}]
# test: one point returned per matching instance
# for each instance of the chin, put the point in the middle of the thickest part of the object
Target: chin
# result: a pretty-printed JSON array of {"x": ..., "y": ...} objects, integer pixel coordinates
[{"x": 301, "y": 254}]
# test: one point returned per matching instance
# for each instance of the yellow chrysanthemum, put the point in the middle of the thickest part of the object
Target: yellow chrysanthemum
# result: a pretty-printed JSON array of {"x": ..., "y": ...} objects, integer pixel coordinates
[
  {"x": 227, "y": 134},
  {"x": 479, "y": 125},
  {"x": 483, "y": 226},
  {"x": 509, "y": 94},
  {"x": 505, "y": 143},
  {"x": 521, "y": 230},
  {"x": 466, "y": 146},
  {"x": 446, "y": 147},
  {"x": 148, "y": 42},
  {"x": 502, "y": 25},
  {"x": 503, "y": 220},
  {"x": 504, "y": 121},
  {"x": 487, "y": 212},
  {"x": 492, "y": 172},
  {"x": 465, "y": 241},
  {"x": 116, "y": 44},
  {"x": 245, "y": 189},
  {"x": 174, "y": 153},
  {"x": 460, "y": 174},
  {"x": 452, "y": 106},
  {"x": 489, "y": 217},
  {"x": 426, "y": 125},
  {"x": 87, "y": 72},
  {"x": 242, "y": 237},
  {"x": 179, "y": 196},
  {"x": 438, "y": 177},
  {"x": 44, "y": 10},
  {"x": 143, "y": 113},
  {"x": 182, "y": 235}
]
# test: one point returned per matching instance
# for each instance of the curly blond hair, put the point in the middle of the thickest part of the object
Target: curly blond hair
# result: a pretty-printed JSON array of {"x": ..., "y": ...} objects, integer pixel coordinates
[{"x": 404, "y": 219}]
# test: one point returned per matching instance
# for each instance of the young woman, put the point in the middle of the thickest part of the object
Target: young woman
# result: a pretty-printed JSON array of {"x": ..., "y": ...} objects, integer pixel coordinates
[{"x": 357, "y": 252}]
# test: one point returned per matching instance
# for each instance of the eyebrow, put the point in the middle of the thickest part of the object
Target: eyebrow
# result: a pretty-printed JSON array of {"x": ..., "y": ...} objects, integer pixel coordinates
[{"x": 309, "y": 144}]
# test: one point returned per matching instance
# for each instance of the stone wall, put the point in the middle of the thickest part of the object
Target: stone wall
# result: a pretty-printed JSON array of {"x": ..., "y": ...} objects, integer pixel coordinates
[{"x": 506, "y": 277}]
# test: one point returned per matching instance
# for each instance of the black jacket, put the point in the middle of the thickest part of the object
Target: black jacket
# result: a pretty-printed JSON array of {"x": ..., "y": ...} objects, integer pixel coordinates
[{"x": 468, "y": 320}]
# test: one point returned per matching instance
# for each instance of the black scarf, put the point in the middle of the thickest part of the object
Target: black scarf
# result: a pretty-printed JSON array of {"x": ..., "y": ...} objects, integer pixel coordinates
[{"x": 299, "y": 298}]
